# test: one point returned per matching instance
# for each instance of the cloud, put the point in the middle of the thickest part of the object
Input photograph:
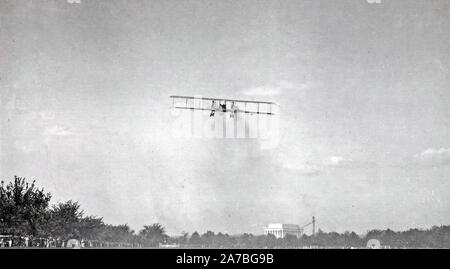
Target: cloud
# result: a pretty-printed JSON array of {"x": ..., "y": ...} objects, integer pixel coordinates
[
  {"x": 430, "y": 153},
  {"x": 433, "y": 156},
  {"x": 305, "y": 169},
  {"x": 374, "y": 1},
  {"x": 273, "y": 90},
  {"x": 299, "y": 165},
  {"x": 74, "y": 1},
  {"x": 337, "y": 161},
  {"x": 57, "y": 131},
  {"x": 320, "y": 165},
  {"x": 347, "y": 163}
]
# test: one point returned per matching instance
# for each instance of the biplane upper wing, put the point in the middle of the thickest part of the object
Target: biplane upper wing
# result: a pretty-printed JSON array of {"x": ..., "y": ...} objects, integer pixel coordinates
[{"x": 208, "y": 104}]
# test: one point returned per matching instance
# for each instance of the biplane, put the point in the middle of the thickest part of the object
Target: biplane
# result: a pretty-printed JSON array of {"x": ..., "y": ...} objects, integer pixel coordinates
[{"x": 231, "y": 106}]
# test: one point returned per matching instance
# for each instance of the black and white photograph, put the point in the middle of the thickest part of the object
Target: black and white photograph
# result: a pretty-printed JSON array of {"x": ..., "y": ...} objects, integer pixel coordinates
[{"x": 229, "y": 125}]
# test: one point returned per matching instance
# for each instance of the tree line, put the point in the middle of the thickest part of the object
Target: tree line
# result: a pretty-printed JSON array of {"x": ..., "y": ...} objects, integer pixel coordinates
[
  {"x": 436, "y": 237},
  {"x": 25, "y": 211}
]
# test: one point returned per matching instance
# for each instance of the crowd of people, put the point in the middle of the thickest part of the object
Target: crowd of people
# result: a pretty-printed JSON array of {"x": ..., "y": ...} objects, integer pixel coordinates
[{"x": 10, "y": 241}]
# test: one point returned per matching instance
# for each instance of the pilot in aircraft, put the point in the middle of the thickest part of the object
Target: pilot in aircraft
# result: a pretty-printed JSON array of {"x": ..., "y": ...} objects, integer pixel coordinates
[
  {"x": 213, "y": 109},
  {"x": 234, "y": 109},
  {"x": 224, "y": 107}
]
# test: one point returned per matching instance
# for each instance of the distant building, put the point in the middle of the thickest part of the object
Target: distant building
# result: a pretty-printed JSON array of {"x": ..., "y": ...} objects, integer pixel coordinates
[{"x": 280, "y": 230}]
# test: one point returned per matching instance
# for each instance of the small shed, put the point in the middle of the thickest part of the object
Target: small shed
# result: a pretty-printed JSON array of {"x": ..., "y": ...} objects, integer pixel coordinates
[
  {"x": 73, "y": 243},
  {"x": 374, "y": 244}
]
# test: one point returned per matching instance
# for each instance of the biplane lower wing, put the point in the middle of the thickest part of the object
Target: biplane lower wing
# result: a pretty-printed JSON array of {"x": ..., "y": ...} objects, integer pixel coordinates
[{"x": 228, "y": 110}]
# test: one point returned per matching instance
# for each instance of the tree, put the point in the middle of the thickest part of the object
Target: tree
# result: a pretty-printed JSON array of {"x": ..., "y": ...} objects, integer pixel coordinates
[
  {"x": 290, "y": 241},
  {"x": 23, "y": 208},
  {"x": 320, "y": 239},
  {"x": 118, "y": 233},
  {"x": 208, "y": 239},
  {"x": 65, "y": 220},
  {"x": 270, "y": 241},
  {"x": 183, "y": 239},
  {"x": 305, "y": 241},
  {"x": 352, "y": 239},
  {"x": 259, "y": 241},
  {"x": 221, "y": 240},
  {"x": 153, "y": 234},
  {"x": 91, "y": 228},
  {"x": 195, "y": 240},
  {"x": 245, "y": 240}
]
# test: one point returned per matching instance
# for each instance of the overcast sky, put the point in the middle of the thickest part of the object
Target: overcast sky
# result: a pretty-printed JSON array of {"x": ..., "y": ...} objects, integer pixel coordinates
[{"x": 364, "y": 116}]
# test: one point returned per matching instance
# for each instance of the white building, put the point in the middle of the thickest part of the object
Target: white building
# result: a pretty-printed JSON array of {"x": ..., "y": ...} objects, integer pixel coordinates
[{"x": 280, "y": 230}]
